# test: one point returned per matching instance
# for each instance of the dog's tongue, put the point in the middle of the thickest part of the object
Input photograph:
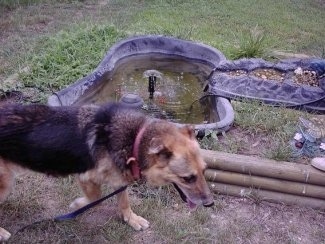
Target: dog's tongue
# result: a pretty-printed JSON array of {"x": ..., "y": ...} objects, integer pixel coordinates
[
  {"x": 191, "y": 204},
  {"x": 184, "y": 198}
]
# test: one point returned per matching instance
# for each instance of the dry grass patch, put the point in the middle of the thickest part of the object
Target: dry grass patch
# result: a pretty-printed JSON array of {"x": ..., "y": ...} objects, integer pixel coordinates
[{"x": 32, "y": 205}]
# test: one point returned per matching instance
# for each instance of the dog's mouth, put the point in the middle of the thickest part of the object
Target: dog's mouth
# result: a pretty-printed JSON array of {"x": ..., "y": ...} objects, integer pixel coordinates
[
  {"x": 184, "y": 197},
  {"x": 188, "y": 201}
]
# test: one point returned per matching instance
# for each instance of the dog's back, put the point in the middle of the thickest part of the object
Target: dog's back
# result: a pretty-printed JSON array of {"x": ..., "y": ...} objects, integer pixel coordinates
[{"x": 45, "y": 139}]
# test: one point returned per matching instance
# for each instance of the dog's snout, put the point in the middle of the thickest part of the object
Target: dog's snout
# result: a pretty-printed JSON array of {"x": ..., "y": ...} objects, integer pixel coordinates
[{"x": 207, "y": 200}]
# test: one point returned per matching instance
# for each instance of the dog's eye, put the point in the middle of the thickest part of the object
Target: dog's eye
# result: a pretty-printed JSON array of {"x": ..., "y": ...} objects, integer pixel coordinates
[
  {"x": 166, "y": 154},
  {"x": 189, "y": 179}
]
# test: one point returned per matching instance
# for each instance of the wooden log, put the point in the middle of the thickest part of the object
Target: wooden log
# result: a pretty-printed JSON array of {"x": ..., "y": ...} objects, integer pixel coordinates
[
  {"x": 265, "y": 183},
  {"x": 265, "y": 195},
  {"x": 263, "y": 167}
]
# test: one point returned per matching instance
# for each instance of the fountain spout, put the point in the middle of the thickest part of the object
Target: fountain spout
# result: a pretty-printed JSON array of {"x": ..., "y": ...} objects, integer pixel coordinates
[{"x": 151, "y": 85}]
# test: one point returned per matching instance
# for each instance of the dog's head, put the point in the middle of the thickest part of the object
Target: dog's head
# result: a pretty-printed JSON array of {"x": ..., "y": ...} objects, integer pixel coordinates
[{"x": 174, "y": 157}]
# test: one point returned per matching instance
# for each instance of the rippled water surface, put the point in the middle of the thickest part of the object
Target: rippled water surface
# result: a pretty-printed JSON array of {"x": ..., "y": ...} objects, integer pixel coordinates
[{"x": 178, "y": 87}]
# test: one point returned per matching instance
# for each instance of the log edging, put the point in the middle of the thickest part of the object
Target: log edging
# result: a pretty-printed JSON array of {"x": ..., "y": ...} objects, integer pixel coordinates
[{"x": 274, "y": 181}]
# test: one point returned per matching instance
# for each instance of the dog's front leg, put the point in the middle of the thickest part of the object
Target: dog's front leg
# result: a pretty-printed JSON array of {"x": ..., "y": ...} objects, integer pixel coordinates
[
  {"x": 91, "y": 191},
  {"x": 137, "y": 222}
]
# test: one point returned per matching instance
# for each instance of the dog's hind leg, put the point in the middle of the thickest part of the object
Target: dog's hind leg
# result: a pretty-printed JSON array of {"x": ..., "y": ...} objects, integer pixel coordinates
[
  {"x": 6, "y": 180},
  {"x": 137, "y": 222},
  {"x": 90, "y": 189},
  {"x": 6, "y": 184}
]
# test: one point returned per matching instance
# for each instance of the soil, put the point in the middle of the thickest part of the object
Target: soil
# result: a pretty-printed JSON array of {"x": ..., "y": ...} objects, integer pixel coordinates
[{"x": 233, "y": 220}]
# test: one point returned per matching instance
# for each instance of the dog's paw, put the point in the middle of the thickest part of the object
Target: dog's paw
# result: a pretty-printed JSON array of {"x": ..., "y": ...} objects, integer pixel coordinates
[
  {"x": 4, "y": 235},
  {"x": 137, "y": 222},
  {"x": 79, "y": 203}
]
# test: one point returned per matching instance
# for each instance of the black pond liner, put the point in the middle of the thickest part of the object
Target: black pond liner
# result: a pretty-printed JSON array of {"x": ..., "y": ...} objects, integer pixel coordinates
[
  {"x": 220, "y": 83},
  {"x": 82, "y": 90},
  {"x": 285, "y": 93}
]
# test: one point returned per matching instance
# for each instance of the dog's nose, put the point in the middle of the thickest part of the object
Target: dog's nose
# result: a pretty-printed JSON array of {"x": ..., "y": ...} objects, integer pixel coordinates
[{"x": 207, "y": 200}]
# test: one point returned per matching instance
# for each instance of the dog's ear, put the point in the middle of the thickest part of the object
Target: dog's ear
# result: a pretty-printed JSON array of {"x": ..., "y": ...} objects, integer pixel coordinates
[
  {"x": 188, "y": 131},
  {"x": 158, "y": 149},
  {"x": 156, "y": 145}
]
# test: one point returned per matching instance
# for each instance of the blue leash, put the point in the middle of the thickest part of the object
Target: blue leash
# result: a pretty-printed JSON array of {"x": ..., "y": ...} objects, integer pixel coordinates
[
  {"x": 75, "y": 213},
  {"x": 88, "y": 206}
]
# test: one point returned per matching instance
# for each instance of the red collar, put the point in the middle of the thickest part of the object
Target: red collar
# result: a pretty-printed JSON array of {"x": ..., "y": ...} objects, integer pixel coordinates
[{"x": 135, "y": 168}]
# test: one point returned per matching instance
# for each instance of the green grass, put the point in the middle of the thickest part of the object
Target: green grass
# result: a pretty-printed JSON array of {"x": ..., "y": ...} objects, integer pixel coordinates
[
  {"x": 59, "y": 59},
  {"x": 297, "y": 26},
  {"x": 278, "y": 125},
  {"x": 260, "y": 118},
  {"x": 273, "y": 126},
  {"x": 69, "y": 55}
]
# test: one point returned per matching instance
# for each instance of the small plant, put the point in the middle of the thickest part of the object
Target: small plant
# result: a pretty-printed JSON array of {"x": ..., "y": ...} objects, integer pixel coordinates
[
  {"x": 281, "y": 151},
  {"x": 209, "y": 140},
  {"x": 251, "y": 45},
  {"x": 252, "y": 194}
]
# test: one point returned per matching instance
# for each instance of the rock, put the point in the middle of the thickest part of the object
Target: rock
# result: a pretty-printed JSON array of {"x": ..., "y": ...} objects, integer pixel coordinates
[{"x": 318, "y": 163}]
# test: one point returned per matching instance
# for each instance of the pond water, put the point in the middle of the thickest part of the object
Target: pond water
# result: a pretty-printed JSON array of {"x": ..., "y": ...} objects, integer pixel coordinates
[{"x": 179, "y": 85}]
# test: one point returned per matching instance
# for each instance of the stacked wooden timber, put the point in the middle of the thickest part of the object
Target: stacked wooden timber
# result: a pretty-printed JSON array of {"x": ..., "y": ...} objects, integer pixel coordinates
[{"x": 265, "y": 179}]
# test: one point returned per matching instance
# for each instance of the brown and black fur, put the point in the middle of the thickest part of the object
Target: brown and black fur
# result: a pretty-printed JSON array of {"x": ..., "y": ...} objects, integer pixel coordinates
[
  {"x": 96, "y": 143},
  {"x": 45, "y": 139}
]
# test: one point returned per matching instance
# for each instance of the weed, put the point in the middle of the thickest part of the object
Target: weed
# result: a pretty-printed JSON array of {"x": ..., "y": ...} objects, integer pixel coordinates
[
  {"x": 252, "y": 194},
  {"x": 251, "y": 45},
  {"x": 279, "y": 151},
  {"x": 209, "y": 140}
]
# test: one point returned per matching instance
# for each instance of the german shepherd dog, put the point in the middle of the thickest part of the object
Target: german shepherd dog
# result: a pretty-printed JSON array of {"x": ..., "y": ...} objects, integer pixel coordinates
[{"x": 108, "y": 144}]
